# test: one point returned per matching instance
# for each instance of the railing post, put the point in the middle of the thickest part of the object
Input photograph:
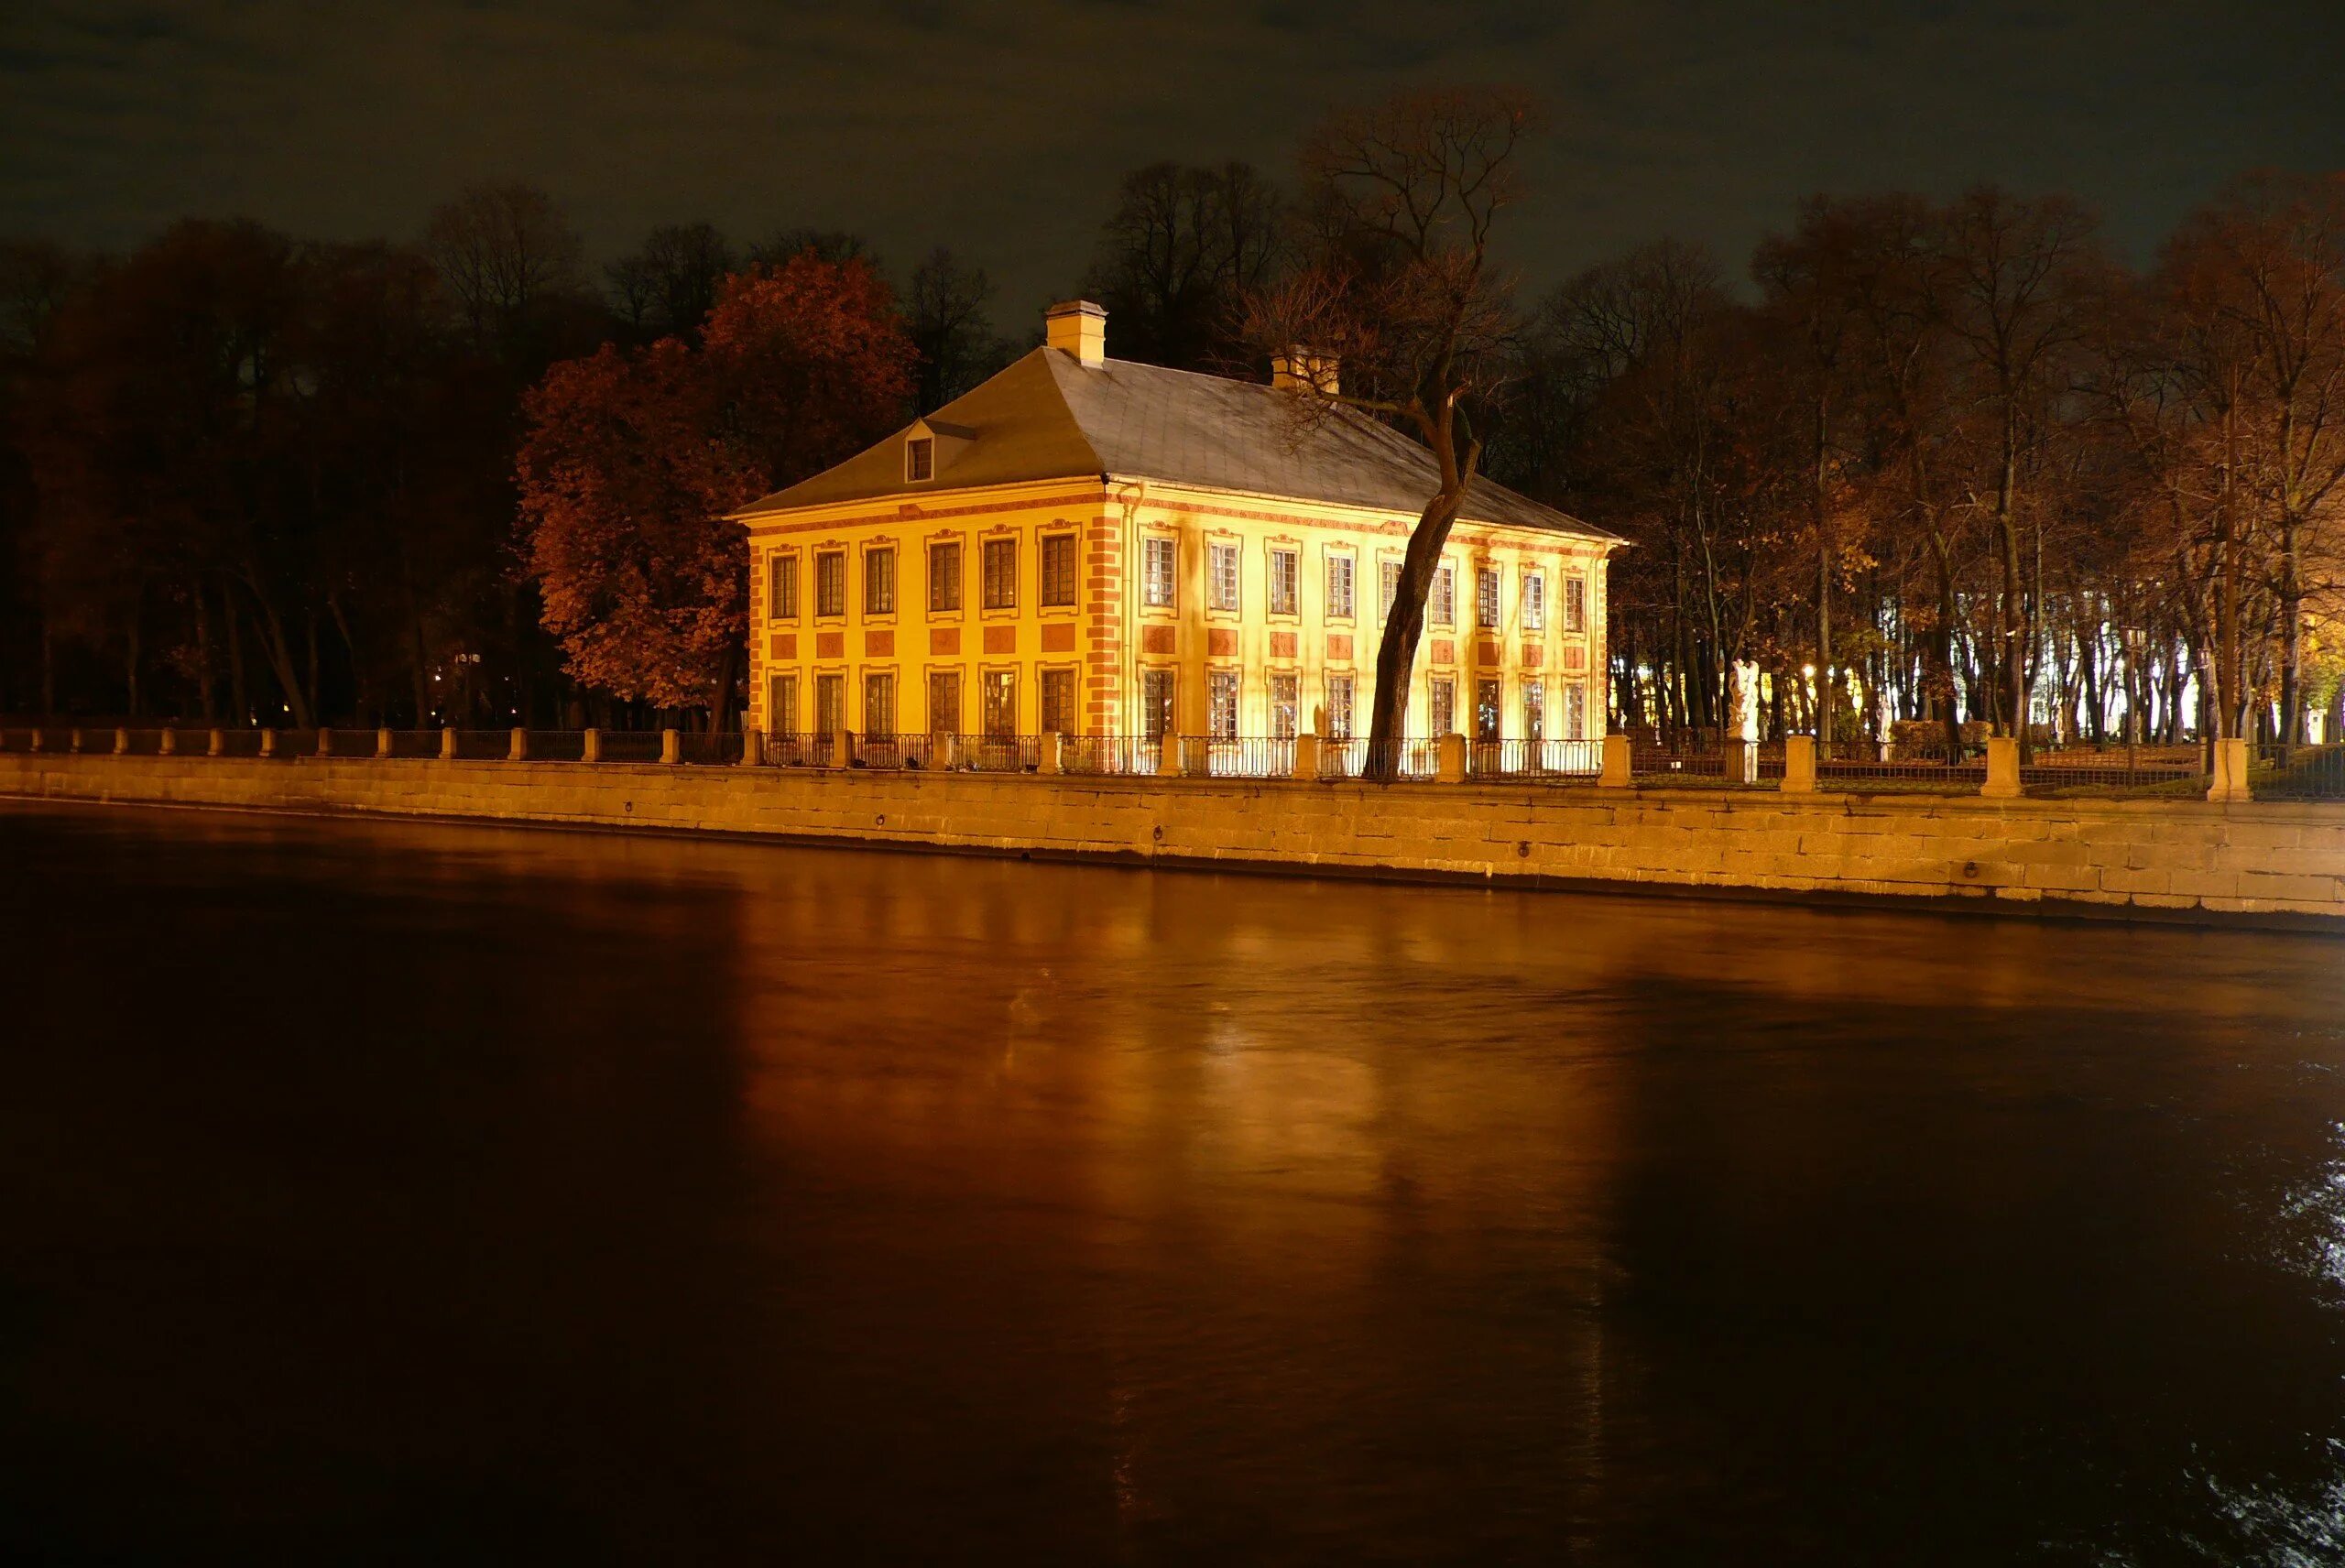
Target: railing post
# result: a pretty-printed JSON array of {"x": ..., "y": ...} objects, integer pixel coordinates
[
  {"x": 1306, "y": 756},
  {"x": 593, "y": 749},
  {"x": 2229, "y": 779},
  {"x": 753, "y": 747},
  {"x": 165, "y": 746},
  {"x": 1052, "y": 756},
  {"x": 383, "y": 740},
  {"x": 842, "y": 748},
  {"x": 1740, "y": 763},
  {"x": 1452, "y": 768},
  {"x": 447, "y": 743},
  {"x": 1799, "y": 765},
  {"x": 36, "y": 745},
  {"x": 268, "y": 743},
  {"x": 121, "y": 741},
  {"x": 326, "y": 742},
  {"x": 671, "y": 746},
  {"x": 216, "y": 742},
  {"x": 2003, "y": 768},
  {"x": 519, "y": 750},
  {"x": 1619, "y": 763}
]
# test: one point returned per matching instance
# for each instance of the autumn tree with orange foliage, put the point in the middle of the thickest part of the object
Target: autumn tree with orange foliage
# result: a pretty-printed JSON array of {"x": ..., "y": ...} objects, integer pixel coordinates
[{"x": 632, "y": 462}]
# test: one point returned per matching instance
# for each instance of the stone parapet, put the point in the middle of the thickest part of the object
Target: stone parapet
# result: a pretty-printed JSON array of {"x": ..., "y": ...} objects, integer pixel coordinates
[{"x": 2264, "y": 862}]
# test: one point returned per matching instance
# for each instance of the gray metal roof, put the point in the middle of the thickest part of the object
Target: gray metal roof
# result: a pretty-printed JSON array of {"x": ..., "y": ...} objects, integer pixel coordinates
[{"x": 1049, "y": 415}]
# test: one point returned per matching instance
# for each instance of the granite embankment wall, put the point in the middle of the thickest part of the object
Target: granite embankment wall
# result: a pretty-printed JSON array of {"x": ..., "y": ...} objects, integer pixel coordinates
[{"x": 2254, "y": 863}]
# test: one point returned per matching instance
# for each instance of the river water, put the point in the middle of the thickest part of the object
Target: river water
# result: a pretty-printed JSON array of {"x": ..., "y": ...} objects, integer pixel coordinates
[{"x": 402, "y": 1194}]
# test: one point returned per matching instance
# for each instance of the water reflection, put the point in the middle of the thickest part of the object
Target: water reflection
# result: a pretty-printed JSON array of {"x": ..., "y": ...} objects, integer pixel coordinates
[{"x": 454, "y": 1189}]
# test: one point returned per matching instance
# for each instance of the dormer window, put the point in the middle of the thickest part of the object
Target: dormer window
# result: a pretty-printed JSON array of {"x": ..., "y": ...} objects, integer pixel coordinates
[{"x": 920, "y": 458}]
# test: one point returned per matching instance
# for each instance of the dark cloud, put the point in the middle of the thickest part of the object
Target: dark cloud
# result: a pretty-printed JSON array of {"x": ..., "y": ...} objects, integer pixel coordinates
[{"x": 1001, "y": 129}]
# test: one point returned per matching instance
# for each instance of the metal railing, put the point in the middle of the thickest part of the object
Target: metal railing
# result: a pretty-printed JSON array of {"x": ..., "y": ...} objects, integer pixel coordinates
[
  {"x": 1859, "y": 765},
  {"x": 631, "y": 746},
  {"x": 1138, "y": 756},
  {"x": 2296, "y": 772},
  {"x": 1416, "y": 757},
  {"x": 1535, "y": 760},
  {"x": 1249, "y": 756},
  {"x": 2181, "y": 769},
  {"x": 996, "y": 754},
  {"x": 798, "y": 750},
  {"x": 709, "y": 749}
]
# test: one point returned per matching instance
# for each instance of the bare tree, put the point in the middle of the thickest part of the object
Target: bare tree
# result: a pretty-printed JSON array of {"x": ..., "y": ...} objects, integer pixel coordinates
[
  {"x": 946, "y": 312},
  {"x": 1398, "y": 286},
  {"x": 1180, "y": 255},
  {"x": 504, "y": 252},
  {"x": 666, "y": 287}
]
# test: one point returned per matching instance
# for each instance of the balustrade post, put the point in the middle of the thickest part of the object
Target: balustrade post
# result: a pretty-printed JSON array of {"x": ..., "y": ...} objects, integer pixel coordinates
[
  {"x": 1740, "y": 762},
  {"x": 1619, "y": 763},
  {"x": 165, "y": 746},
  {"x": 216, "y": 742},
  {"x": 325, "y": 742},
  {"x": 753, "y": 747},
  {"x": 1451, "y": 769},
  {"x": 383, "y": 740},
  {"x": 519, "y": 749},
  {"x": 447, "y": 743},
  {"x": 2229, "y": 778},
  {"x": 592, "y": 751},
  {"x": 1799, "y": 765},
  {"x": 268, "y": 743},
  {"x": 671, "y": 746},
  {"x": 2003, "y": 768},
  {"x": 1052, "y": 756},
  {"x": 121, "y": 743},
  {"x": 1306, "y": 756},
  {"x": 842, "y": 748}
]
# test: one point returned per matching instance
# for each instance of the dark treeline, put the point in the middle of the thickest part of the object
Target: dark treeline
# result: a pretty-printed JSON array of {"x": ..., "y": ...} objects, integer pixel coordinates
[
  {"x": 1930, "y": 462},
  {"x": 251, "y": 479}
]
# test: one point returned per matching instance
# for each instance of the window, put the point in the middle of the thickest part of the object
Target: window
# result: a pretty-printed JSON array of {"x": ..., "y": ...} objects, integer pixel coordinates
[
  {"x": 1001, "y": 704},
  {"x": 1488, "y": 694},
  {"x": 1392, "y": 585},
  {"x": 920, "y": 458},
  {"x": 1534, "y": 601},
  {"x": 1534, "y": 711},
  {"x": 880, "y": 704},
  {"x": 1284, "y": 701},
  {"x": 782, "y": 587},
  {"x": 1442, "y": 704},
  {"x": 1159, "y": 559},
  {"x": 781, "y": 705},
  {"x": 879, "y": 582},
  {"x": 1058, "y": 701},
  {"x": 1058, "y": 569},
  {"x": 1001, "y": 573},
  {"x": 1156, "y": 703},
  {"x": 944, "y": 576},
  {"x": 1221, "y": 577},
  {"x": 1283, "y": 576},
  {"x": 1339, "y": 587},
  {"x": 829, "y": 583},
  {"x": 1486, "y": 597},
  {"x": 1574, "y": 604},
  {"x": 1221, "y": 691},
  {"x": 830, "y": 703},
  {"x": 1575, "y": 712},
  {"x": 1443, "y": 598},
  {"x": 944, "y": 700},
  {"x": 1339, "y": 707}
]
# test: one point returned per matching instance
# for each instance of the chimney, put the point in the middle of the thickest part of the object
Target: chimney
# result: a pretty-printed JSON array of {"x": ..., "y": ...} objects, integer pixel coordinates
[
  {"x": 1079, "y": 327},
  {"x": 1303, "y": 369}
]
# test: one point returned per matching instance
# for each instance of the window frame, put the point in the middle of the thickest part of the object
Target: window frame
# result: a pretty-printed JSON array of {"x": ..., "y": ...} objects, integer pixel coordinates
[
  {"x": 1170, "y": 550},
  {"x": 919, "y": 460},
  {"x": 950, "y": 676},
  {"x": 1440, "y": 597},
  {"x": 1292, "y": 556},
  {"x": 1339, "y": 719},
  {"x": 956, "y": 581},
  {"x": 1535, "y": 599},
  {"x": 1490, "y": 598},
  {"x": 1574, "y": 604},
  {"x": 1067, "y": 538},
  {"x": 1346, "y": 605},
  {"x": 1232, "y": 682},
  {"x": 991, "y": 679},
  {"x": 880, "y": 552},
  {"x": 987, "y": 546},
  {"x": 1045, "y": 679},
  {"x": 782, "y": 585},
  {"x": 1216, "y": 552},
  {"x": 823, "y": 558},
  {"x": 776, "y": 685},
  {"x": 883, "y": 682}
]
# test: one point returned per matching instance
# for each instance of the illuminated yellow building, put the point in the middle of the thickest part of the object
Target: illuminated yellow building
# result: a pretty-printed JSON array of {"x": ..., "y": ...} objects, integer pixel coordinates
[{"x": 1093, "y": 547}]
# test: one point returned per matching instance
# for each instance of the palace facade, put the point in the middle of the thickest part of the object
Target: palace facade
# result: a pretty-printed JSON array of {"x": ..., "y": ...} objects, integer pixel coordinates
[{"x": 1093, "y": 547}]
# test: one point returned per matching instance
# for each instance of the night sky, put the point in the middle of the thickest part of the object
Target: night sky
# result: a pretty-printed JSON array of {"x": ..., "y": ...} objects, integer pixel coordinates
[{"x": 1002, "y": 129}]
